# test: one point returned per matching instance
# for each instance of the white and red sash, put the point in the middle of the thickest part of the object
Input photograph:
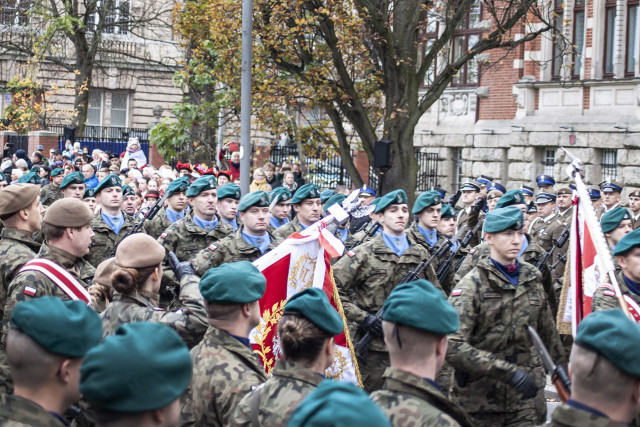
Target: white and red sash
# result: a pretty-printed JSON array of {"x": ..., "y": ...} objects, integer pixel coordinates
[
  {"x": 61, "y": 277},
  {"x": 634, "y": 309}
]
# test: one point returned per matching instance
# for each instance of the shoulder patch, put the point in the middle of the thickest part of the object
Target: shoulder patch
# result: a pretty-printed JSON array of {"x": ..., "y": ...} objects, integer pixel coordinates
[
  {"x": 609, "y": 293},
  {"x": 351, "y": 254},
  {"x": 158, "y": 309},
  {"x": 456, "y": 292},
  {"x": 163, "y": 235},
  {"x": 472, "y": 251},
  {"x": 28, "y": 290},
  {"x": 212, "y": 247},
  {"x": 606, "y": 286}
]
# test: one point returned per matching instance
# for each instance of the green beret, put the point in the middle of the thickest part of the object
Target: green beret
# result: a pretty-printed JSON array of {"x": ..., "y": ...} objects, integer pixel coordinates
[
  {"x": 335, "y": 403},
  {"x": 204, "y": 183},
  {"x": 613, "y": 335},
  {"x": 233, "y": 283},
  {"x": 325, "y": 195},
  {"x": 628, "y": 242},
  {"x": 612, "y": 219},
  {"x": 35, "y": 169},
  {"x": 72, "y": 178},
  {"x": 68, "y": 328},
  {"x": 510, "y": 198},
  {"x": 144, "y": 366},
  {"x": 307, "y": 191},
  {"x": 336, "y": 198},
  {"x": 181, "y": 185},
  {"x": 68, "y": 212},
  {"x": 108, "y": 182},
  {"x": 426, "y": 199},
  {"x": 230, "y": 190},
  {"x": 448, "y": 211},
  {"x": 281, "y": 193},
  {"x": 421, "y": 305},
  {"x": 397, "y": 197},
  {"x": 56, "y": 172},
  {"x": 313, "y": 304},
  {"x": 501, "y": 219},
  {"x": 16, "y": 197},
  {"x": 91, "y": 193},
  {"x": 257, "y": 198},
  {"x": 30, "y": 178},
  {"x": 127, "y": 190},
  {"x": 2, "y": 177}
]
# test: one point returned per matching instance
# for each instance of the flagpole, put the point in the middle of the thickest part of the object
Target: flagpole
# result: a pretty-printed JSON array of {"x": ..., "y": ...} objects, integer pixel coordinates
[{"x": 602, "y": 250}]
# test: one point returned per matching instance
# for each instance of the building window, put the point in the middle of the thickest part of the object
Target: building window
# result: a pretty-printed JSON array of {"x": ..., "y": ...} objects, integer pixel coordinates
[
  {"x": 578, "y": 38},
  {"x": 457, "y": 170},
  {"x": 558, "y": 39},
  {"x": 14, "y": 12},
  {"x": 549, "y": 161},
  {"x": 94, "y": 110},
  {"x": 631, "y": 52},
  {"x": 116, "y": 18},
  {"x": 119, "y": 109},
  {"x": 609, "y": 37},
  {"x": 609, "y": 165},
  {"x": 429, "y": 36},
  {"x": 465, "y": 36}
]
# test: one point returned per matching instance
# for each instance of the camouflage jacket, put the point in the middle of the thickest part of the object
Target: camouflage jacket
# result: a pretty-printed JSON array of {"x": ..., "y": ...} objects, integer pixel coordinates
[
  {"x": 568, "y": 416},
  {"x": 605, "y": 296},
  {"x": 158, "y": 224},
  {"x": 416, "y": 235},
  {"x": 288, "y": 229},
  {"x": 492, "y": 340},
  {"x": 278, "y": 397},
  {"x": 408, "y": 400},
  {"x": 105, "y": 240},
  {"x": 16, "y": 411},
  {"x": 366, "y": 277},
  {"x": 224, "y": 370},
  {"x": 231, "y": 249},
  {"x": 186, "y": 239},
  {"x": 56, "y": 194},
  {"x": 16, "y": 248},
  {"x": 190, "y": 322}
]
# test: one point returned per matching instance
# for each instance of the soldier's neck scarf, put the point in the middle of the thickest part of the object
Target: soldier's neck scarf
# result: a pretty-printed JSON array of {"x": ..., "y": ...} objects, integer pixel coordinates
[
  {"x": 277, "y": 222},
  {"x": 174, "y": 216},
  {"x": 207, "y": 225},
  {"x": 233, "y": 223},
  {"x": 397, "y": 244},
  {"x": 260, "y": 242},
  {"x": 633, "y": 286},
  {"x": 342, "y": 233},
  {"x": 511, "y": 272},
  {"x": 114, "y": 222},
  {"x": 430, "y": 235},
  {"x": 525, "y": 245},
  {"x": 243, "y": 340}
]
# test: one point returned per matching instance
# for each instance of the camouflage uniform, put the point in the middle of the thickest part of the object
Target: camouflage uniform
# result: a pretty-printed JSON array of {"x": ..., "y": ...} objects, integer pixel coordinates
[
  {"x": 186, "y": 239},
  {"x": 449, "y": 281},
  {"x": 190, "y": 323},
  {"x": 364, "y": 282},
  {"x": 492, "y": 342},
  {"x": 232, "y": 249},
  {"x": 17, "y": 412},
  {"x": 224, "y": 370},
  {"x": 105, "y": 240},
  {"x": 568, "y": 416},
  {"x": 408, "y": 400},
  {"x": 16, "y": 248},
  {"x": 278, "y": 397},
  {"x": 158, "y": 224},
  {"x": 605, "y": 296},
  {"x": 55, "y": 192},
  {"x": 289, "y": 228}
]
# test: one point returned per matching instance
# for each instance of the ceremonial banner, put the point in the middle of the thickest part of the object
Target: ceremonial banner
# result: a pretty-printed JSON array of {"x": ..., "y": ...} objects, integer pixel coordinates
[{"x": 301, "y": 261}]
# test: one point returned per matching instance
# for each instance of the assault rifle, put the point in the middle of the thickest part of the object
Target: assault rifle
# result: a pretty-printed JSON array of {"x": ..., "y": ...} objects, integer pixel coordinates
[
  {"x": 149, "y": 216},
  {"x": 561, "y": 258},
  {"x": 46, "y": 197},
  {"x": 556, "y": 244},
  {"x": 445, "y": 267},
  {"x": 362, "y": 346},
  {"x": 373, "y": 229},
  {"x": 559, "y": 377}
]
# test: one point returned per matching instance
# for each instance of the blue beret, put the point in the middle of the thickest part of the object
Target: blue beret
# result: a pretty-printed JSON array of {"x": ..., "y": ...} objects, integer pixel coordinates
[
  {"x": 313, "y": 304},
  {"x": 510, "y": 198},
  {"x": 57, "y": 171},
  {"x": 30, "y": 178},
  {"x": 233, "y": 283},
  {"x": 68, "y": 328},
  {"x": 629, "y": 241},
  {"x": 336, "y": 198},
  {"x": 545, "y": 197},
  {"x": 612, "y": 219},
  {"x": 72, "y": 178},
  {"x": 500, "y": 219},
  {"x": 204, "y": 183},
  {"x": 527, "y": 190},
  {"x": 448, "y": 211},
  {"x": 281, "y": 193},
  {"x": 544, "y": 180},
  {"x": 611, "y": 334},
  {"x": 397, "y": 197},
  {"x": 144, "y": 366},
  {"x": 108, "y": 182},
  {"x": 256, "y": 198},
  {"x": 421, "y": 305},
  {"x": 470, "y": 186},
  {"x": 610, "y": 187},
  {"x": 180, "y": 185},
  {"x": 231, "y": 191},
  {"x": 426, "y": 199},
  {"x": 325, "y": 195},
  {"x": 335, "y": 403},
  {"x": 307, "y": 191}
]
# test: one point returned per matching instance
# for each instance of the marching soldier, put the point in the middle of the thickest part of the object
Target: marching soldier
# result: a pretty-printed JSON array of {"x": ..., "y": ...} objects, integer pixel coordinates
[
  {"x": 173, "y": 212},
  {"x": 136, "y": 377},
  {"x": 89, "y": 198},
  {"x": 280, "y": 205},
  {"x": 499, "y": 377},
  {"x": 250, "y": 242},
  {"x": 565, "y": 208},
  {"x": 73, "y": 186},
  {"x": 45, "y": 346},
  {"x": 109, "y": 224},
  {"x": 634, "y": 207},
  {"x": 228, "y": 200},
  {"x": 128, "y": 201},
  {"x": 308, "y": 207},
  {"x": 547, "y": 227},
  {"x": 306, "y": 330},
  {"x": 470, "y": 191},
  {"x": 492, "y": 198},
  {"x": 605, "y": 380},
  {"x": 225, "y": 367},
  {"x": 367, "y": 275},
  {"x": 417, "y": 320},
  {"x": 615, "y": 225},
  {"x": 51, "y": 192},
  {"x": 610, "y": 192}
]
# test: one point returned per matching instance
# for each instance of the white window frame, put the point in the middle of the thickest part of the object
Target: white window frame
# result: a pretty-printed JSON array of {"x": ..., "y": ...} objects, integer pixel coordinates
[
  {"x": 115, "y": 27},
  {"x": 101, "y": 92},
  {"x": 126, "y": 110}
]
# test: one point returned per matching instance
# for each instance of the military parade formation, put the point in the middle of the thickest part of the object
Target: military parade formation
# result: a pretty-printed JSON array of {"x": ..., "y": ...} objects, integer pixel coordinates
[{"x": 119, "y": 314}]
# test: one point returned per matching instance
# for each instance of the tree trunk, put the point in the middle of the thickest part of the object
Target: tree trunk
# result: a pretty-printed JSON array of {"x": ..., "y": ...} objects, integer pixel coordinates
[
  {"x": 403, "y": 173},
  {"x": 84, "y": 71}
]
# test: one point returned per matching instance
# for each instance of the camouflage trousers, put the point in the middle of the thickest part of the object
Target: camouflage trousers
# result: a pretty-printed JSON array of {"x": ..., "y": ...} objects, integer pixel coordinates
[
  {"x": 521, "y": 418},
  {"x": 6, "y": 382},
  {"x": 371, "y": 372}
]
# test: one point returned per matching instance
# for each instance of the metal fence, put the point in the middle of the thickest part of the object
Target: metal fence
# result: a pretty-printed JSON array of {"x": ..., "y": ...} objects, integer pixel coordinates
[
  {"x": 15, "y": 143},
  {"x": 427, "y": 170},
  {"x": 105, "y": 138}
]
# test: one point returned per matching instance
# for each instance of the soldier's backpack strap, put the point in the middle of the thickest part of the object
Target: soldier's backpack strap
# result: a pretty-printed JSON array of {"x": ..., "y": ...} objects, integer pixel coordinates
[
  {"x": 255, "y": 407},
  {"x": 61, "y": 277}
]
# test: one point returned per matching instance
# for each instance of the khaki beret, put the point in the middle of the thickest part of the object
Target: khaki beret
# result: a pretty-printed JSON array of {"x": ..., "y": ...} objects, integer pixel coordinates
[
  {"x": 17, "y": 196},
  {"x": 494, "y": 194},
  {"x": 103, "y": 272},
  {"x": 564, "y": 190},
  {"x": 68, "y": 213},
  {"x": 139, "y": 251},
  {"x": 635, "y": 193}
]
